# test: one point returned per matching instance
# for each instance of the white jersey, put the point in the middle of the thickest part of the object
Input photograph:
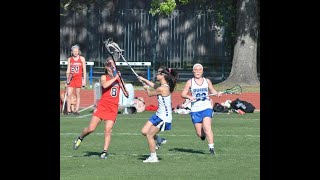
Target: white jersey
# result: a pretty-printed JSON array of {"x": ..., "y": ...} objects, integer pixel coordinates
[
  {"x": 164, "y": 111},
  {"x": 200, "y": 92}
]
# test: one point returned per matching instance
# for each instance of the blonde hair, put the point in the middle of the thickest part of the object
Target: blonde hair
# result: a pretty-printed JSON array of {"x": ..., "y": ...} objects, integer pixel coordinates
[{"x": 76, "y": 46}]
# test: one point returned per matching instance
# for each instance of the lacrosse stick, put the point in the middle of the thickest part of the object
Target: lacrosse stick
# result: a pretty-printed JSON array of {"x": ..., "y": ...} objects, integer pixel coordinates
[
  {"x": 65, "y": 91},
  {"x": 234, "y": 90},
  {"x": 115, "y": 47}
]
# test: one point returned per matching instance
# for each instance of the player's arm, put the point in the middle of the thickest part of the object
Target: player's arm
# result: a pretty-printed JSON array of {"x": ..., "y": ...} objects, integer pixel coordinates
[
  {"x": 155, "y": 92},
  {"x": 84, "y": 71},
  {"x": 68, "y": 68},
  {"x": 186, "y": 89},
  {"x": 211, "y": 88},
  {"x": 149, "y": 83}
]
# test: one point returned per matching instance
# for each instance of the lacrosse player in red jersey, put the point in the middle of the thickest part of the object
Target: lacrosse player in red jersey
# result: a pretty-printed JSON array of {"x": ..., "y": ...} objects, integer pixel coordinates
[
  {"x": 107, "y": 107},
  {"x": 76, "y": 72}
]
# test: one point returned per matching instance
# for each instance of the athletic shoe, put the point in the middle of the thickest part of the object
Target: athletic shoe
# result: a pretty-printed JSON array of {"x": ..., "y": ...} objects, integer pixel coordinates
[
  {"x": 76, "y": 113},
  {"x": 77, "y": 143},
  {"x": 162, "y": 141},
  {"x": 203, "y": 138},
  {"x": 67, "y": 113},
  {"x": 212, "y": 152},
  {"x": 104, "y": 155},
  {"x": 151, "y": 159}
]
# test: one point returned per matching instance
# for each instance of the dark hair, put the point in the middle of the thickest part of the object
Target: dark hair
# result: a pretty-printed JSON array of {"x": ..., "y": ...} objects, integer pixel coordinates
[
  {"x": 170, "y": 75},
  {"x": 108, "y": 64}
]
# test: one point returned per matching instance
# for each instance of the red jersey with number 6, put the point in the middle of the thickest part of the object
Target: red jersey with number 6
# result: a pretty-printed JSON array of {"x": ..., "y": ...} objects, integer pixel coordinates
[{"x": 76, "y": 68}]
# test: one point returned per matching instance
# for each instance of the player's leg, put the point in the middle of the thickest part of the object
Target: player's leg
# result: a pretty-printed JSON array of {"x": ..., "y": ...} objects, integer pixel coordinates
[
  {"x": 159, "y": 141},
  {"x": 107, "y": 138},
  {"x": 197, "y": 118},
  {"x": 199, "y": 131},
  {"x": 152, "y": 144},
  {"x": 95, "y": 121},
  {"x": 77, "y": 101},
  {"x": 207, "y": 121},
  {"x": 69, "y": 95}
]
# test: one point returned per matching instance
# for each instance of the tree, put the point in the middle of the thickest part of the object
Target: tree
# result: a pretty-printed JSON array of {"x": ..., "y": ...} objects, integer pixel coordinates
[{"x": 244, "y": 62}]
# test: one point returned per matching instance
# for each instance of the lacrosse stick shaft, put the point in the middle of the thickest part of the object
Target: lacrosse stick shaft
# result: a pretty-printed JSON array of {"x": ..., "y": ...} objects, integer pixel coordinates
[
  {"x": 86, "y": 108},
  {"x": 69, "y": 77},
  {"x": 64, "y": 100},
  {"x": 131, "y": 69},
  {"x": 128, "y": 65},
  {"x": 117, "y": 68}
]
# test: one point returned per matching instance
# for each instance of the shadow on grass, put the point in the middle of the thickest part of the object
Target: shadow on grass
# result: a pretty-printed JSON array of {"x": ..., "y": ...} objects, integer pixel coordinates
[
  {"x": 89, "y": 154},
  {"x": 187, "y": 150}
]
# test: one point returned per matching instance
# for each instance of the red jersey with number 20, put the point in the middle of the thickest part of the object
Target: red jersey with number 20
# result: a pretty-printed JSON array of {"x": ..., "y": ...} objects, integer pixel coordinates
[{"x": 76, "y": 68}]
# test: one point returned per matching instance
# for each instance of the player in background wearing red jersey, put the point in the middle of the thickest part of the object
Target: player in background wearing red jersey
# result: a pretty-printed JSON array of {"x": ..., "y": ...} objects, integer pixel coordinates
[{"x": 77, "y": 70}]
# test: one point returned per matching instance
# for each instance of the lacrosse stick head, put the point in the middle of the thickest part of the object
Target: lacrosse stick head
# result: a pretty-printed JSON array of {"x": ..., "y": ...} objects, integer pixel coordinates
[
  {"x": 234, "y": 90},
  {"x": 113, "y": 48}
]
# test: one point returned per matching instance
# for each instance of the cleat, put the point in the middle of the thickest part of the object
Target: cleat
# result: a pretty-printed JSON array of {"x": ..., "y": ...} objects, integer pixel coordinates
[
  {"x": 158, "y": 144},
  {"x": 76, "y": 113},
  {"x": 104, "y": 155},
  {"x": 212, "y": 152},
  {"x": 67, "y": 113},
  {"x": 76, "y": 143},
  {"x": 151, "y": 159}
]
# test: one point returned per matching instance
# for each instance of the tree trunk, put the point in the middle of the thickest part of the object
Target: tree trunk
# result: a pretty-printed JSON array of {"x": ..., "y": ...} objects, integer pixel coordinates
[{"x": 244, "y": 63}]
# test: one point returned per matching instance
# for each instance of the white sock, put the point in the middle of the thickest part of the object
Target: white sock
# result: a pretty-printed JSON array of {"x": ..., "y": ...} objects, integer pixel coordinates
[
  {"x": 153, "y": 154},
  {"x": 211, "y": 145}
]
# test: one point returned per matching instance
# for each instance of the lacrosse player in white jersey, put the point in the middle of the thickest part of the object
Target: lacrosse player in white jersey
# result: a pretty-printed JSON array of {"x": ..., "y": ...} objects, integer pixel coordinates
[
  {"x": 162, "y": 119},
  {"x": 201, "y": 105}
]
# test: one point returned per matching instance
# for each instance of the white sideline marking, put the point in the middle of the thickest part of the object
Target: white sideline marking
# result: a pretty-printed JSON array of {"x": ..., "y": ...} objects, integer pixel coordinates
[
  {"x": 84, "y": 116},
  {"x": 121, "y": 118},
  {"x": 169, "y": 154},
  {"x": 138, "y": 134}
]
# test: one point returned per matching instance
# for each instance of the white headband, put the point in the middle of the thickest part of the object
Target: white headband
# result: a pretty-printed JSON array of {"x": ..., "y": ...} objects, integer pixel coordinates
[{"x": 197, "y": 65}]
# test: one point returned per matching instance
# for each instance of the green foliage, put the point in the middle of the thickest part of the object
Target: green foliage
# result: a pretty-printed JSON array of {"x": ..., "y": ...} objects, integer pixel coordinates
[{"x": 166, "y": 7}]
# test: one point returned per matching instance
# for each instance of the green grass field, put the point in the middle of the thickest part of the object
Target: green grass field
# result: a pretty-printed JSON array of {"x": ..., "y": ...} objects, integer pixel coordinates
[
  {"x": 180, "y": 86},
  {"x": 184, "y": 156}
]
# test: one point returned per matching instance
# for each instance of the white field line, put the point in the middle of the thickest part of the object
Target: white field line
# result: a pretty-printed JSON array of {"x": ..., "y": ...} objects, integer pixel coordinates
[
  {"x": 138, "y": 134},
  {"x": 84, "y": 116},
  {"x": 161, "y": 154},
  {"x": 121, "y": 118}
]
